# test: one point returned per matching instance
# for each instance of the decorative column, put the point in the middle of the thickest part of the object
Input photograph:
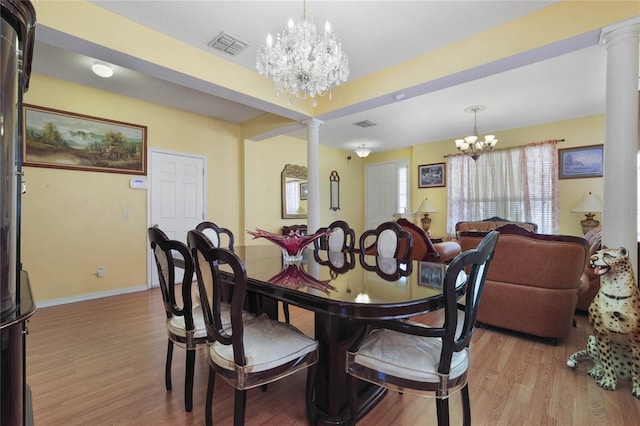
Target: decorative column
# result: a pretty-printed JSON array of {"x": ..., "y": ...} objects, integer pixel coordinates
[
  {"x": 313, "y": 179},
  {"x": 620, "y": 213}
]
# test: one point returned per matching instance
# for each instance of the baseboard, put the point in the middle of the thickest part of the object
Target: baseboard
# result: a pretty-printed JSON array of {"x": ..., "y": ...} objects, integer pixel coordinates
[{"x": 89, "y": 296}]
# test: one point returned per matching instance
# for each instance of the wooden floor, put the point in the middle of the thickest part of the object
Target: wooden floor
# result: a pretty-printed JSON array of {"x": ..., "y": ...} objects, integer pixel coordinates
[{"x": 101, "y": 362}]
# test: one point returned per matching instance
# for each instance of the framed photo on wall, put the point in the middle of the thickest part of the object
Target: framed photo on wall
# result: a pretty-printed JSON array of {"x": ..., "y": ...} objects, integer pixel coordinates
[
  {"x": 432, "y": 175},
  {"x": 66, "y": 140},
  {"x": 304, "y": 190},
  {"x": 581, "y": 162}
]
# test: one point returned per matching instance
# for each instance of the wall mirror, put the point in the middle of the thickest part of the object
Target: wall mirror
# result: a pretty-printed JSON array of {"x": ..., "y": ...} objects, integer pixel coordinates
[
  {"x": 294, "y": 192},
  {"x": 334, "y": 190}
]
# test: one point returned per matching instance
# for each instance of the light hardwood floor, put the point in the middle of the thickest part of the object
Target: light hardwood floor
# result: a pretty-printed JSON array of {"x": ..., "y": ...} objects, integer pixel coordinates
[{"x": 101, "y": 362}]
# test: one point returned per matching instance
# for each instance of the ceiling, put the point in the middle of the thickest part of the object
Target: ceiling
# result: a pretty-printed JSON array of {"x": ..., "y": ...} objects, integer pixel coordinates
[{"x": 565, "y": 81}]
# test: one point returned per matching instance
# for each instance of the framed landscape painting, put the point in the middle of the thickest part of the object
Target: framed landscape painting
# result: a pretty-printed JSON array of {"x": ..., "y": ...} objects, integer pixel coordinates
[
  {"x": 431, "y": 175},
  {"x": 65, "y": 140},
  {"x": 580, "y": 162}
]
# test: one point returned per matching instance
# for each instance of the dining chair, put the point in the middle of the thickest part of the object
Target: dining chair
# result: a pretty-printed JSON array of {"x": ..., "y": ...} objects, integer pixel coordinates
[
  {"x": 428, "y": 361},
  {"x": 387, "y": 240},
  {"x": 215, "y": 233},
  {"x": 342, "y": 237},
  {"x": 250, "y": 352},
  {"x": 185, "y": 324}
]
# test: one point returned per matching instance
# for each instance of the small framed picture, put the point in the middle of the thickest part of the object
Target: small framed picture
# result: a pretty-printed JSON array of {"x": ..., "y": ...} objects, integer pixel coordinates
[
  {"x": 431, "y": 175},
  {"x": 580, "y": 162},
  {"x": 304, "y": 190},
  {"x": 431, "y": 274}
]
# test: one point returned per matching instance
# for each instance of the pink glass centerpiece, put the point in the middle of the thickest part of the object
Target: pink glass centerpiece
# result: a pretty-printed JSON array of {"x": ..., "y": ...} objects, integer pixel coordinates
[
  {"x": 294, "y": 276},
  {"x": 292, "y": 244}
]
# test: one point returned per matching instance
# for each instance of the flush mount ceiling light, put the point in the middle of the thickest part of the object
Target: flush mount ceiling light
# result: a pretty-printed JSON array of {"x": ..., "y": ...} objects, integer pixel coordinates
[
  {"x": 302, "y": 62},
  {"x": 102, "y": 70},
  {"x": 362, "y": 151},
  {"x": 470, "y": 145}
]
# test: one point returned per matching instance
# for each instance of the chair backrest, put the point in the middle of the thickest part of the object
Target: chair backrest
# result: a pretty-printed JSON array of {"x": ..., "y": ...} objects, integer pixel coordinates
[
  {"x": 467, "y": 272},
  {"x": 387, "y": 241},
  {"x": 342, "y": 237},
  {"x": 207, "y": 259},
  {"x": 214, "y": 233},
  {"x": 387, "y": 268},
  {"x": 164, "y": 251}
]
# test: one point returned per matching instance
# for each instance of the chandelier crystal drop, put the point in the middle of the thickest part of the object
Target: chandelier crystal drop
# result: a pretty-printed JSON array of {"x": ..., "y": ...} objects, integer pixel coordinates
[
  {"x": 471, "y": 145},
  {"x": 302, "y": 63}
]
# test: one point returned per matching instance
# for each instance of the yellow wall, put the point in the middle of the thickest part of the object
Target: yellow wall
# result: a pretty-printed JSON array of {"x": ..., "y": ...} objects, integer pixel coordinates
[
  {"x": 73, "y": 222},
  {"x": 264, "y": 162}
]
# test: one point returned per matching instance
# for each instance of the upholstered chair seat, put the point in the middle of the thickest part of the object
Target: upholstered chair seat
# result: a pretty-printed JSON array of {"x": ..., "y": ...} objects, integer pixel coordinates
[{"x": 267, "y": 345}]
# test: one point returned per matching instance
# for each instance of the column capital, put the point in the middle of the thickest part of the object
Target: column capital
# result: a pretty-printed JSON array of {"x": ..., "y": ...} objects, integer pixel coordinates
[
  {"x": 628, "y": 29},
  {"x": 312, "y": 122}
]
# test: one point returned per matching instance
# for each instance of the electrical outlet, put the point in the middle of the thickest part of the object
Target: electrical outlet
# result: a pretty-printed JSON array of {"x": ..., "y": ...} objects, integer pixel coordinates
[{"x": 101, "y": 271}]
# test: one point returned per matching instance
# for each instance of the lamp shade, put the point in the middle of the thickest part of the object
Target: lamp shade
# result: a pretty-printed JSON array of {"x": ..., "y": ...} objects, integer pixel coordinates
[
  {"x": 587, "y": 204},
  {"x": 426, "y": 206}
]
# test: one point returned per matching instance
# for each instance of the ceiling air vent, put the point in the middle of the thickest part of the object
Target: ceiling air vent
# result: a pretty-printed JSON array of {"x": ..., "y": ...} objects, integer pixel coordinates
[
  {"x": 365, "y": 124},
  {"x": 228, "y": 43}
]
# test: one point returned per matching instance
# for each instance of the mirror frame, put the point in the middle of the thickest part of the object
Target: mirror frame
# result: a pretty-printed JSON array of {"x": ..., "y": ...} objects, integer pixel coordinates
[
  {"x": 296, "y": 172},
  {"x": 334, "y": 191}
]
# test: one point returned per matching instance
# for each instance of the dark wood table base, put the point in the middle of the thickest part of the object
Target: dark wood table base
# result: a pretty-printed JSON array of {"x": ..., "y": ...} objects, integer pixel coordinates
[{"x": 331, "y": 399}]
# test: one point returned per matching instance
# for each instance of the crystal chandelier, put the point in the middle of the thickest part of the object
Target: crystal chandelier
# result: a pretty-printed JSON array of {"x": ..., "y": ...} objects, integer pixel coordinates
[
  {"x": 471, "y": 145},
  {"x": 301, "y": 62}
]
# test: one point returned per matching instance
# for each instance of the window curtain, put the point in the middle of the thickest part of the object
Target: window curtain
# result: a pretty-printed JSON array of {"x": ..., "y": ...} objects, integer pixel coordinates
[{"x": 519, "y": 184}]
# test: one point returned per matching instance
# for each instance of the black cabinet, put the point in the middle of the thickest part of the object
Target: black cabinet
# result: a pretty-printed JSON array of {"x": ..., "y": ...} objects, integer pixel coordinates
[
  {"x": 15, "y": 396},
  {"x": 17, "y": 34}
]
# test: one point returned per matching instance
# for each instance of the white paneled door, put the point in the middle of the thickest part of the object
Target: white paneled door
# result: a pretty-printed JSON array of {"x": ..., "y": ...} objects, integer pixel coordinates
[
  {"x": 176, "y": 197},
  {"x": 381, "y": 193}
]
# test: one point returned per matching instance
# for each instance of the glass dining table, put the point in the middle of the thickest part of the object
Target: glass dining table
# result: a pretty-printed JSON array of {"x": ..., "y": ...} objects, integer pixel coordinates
[{"x": 343, "y": 290}]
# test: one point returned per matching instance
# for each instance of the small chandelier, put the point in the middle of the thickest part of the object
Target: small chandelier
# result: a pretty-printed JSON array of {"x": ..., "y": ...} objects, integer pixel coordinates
[
  {"x": 470, "y": 145},
  {"x": 301, "y": 62},
  {"x": 362, "y": 151}
]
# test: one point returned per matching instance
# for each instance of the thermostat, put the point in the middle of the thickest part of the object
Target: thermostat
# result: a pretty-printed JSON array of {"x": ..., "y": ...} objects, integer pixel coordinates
[{"x": 138, "y": 183}]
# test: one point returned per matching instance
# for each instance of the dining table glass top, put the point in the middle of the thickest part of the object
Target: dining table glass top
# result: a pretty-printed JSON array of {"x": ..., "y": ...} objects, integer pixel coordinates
[{"x": 347, "y": 282}]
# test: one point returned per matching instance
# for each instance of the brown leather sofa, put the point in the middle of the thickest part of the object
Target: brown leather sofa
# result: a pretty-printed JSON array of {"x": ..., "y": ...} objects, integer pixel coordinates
[
  {"x": 594, "y": 238},
  {"x": 426, "y": 250},
  {"x": 533, "y": 281}
]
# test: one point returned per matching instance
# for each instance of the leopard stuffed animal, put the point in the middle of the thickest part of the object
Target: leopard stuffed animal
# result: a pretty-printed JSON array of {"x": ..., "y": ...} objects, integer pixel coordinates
[{"x": 614, "y": 314}]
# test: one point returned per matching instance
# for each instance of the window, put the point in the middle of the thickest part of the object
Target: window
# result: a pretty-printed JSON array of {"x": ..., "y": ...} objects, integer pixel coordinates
[
  {"x": 519, "y": 184},
  {"x": 403, "y": 188}
]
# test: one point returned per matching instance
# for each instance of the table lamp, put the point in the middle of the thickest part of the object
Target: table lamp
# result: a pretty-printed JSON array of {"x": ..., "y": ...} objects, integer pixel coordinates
[
  {"x": 588, "y": 204},
  {"x": 426, "y": 207}
]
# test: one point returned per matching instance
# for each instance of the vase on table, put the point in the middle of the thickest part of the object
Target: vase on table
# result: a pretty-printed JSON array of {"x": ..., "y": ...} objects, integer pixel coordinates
[{"x": 292, "y": 244}]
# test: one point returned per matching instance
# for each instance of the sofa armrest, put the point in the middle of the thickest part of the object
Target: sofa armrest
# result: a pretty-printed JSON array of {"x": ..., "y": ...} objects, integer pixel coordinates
[{"x": 447, "y": 250}]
